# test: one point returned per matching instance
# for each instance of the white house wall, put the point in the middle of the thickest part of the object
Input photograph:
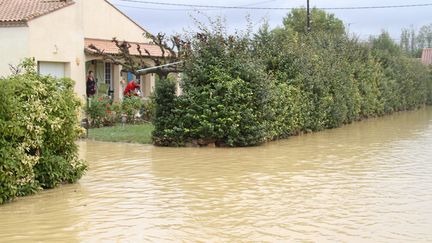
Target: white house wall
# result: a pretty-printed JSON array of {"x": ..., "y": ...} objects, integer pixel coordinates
[
  {"x": 58, "y": 37},
  {"x": 102, "y": 21},
  {"x": 14, "y": 47}
]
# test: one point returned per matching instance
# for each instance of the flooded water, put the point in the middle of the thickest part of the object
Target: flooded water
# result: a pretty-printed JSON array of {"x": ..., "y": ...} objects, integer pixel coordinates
[{"x": 369, "y": 181}]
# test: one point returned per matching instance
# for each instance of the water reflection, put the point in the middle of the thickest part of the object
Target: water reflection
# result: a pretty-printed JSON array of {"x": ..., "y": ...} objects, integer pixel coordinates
[{"x": 368, "y": 181}]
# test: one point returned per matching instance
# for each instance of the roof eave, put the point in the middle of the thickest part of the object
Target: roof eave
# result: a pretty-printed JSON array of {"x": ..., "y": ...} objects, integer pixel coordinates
[
  {"x": 48, "y": 12},
  {"x": 21, "y": 23}
]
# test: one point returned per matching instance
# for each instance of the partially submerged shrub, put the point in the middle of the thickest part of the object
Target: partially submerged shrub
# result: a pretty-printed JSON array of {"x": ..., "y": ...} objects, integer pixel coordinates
[
  {"x": 38, "y": 128},
  {"x": 166, "y": 115}
]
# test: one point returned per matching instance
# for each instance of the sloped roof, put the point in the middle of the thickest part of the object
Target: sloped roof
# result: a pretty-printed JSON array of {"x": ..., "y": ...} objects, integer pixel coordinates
[
  {"x": 427, "y": 56},
  {"x": 21, "y": 11},
  {"x": 121, "y": 12},
  {"x": 109, "y": 47}
]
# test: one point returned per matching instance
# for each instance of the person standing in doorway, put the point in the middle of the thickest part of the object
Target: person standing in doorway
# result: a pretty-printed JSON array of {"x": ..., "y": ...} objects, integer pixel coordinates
[{"x": 90, "y": 84}]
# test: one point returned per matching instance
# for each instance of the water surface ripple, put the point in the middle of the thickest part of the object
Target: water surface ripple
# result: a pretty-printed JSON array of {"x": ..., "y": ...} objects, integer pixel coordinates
[{"x": 366, "y": 182}]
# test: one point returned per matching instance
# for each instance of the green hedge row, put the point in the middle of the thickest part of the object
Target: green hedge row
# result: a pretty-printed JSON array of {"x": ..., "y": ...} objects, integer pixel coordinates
[
  {"x": 38, "y": 129},
  {"x": 243, "y": 91}
]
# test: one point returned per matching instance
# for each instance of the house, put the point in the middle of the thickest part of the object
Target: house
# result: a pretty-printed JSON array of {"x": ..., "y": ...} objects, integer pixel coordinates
[
  {"x": 57, "y": 33},
  {"x": 426, "y": 57}
]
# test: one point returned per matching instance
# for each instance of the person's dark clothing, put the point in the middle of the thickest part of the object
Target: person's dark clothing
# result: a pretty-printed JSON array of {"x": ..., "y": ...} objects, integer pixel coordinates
[{"x": 91, "y": 87}]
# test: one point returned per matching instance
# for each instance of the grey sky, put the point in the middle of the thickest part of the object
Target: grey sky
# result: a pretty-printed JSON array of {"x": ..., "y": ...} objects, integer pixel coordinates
[{"x": 362, "y": 22}]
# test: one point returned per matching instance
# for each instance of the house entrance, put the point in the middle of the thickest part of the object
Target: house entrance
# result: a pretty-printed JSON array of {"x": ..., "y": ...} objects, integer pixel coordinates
[{"x": 104, "y": 75}]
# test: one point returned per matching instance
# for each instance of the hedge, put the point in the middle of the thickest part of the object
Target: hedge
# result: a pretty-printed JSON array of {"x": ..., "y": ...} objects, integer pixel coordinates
[
  {"x": 38, "y": 128},
  {"x": 243, "y": 90}
]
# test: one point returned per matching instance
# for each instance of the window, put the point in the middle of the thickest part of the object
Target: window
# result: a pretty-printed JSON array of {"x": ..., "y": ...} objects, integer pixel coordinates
[
  {"x": 108, "y": 74},
  {"x": 55, "y": 69}
]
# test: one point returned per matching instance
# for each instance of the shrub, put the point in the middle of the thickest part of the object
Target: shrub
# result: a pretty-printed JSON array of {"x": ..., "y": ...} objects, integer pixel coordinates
[
  {"x": 224, "y": 93},
  {"x": 243, "y": 91},
  {"x": 38, "y": 128},
  {"x": 130, "y": 106},
  {"x": 165, "y": 115},
  {"x": 102, "y": 111},
  {"x": 407, "y": 81},
  {"x": 148, "y": 110}
]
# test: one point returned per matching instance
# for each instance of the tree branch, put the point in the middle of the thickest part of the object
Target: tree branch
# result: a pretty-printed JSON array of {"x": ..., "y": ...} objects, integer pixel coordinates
[{"x": 171, "y": 50}]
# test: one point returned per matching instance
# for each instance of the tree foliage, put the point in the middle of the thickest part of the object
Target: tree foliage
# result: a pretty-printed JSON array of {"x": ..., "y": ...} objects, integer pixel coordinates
[
  {"x": 243, "y": 90},
  {"x": 412, "y": 43},
  {"x": 408, "y": 42},
  {"x": 424, "y": 37},
  {"x": 321, "y": 21}
]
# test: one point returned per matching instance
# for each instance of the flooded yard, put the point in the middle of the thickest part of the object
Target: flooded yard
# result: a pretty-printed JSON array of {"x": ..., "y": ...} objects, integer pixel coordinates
[{"x": 369, "y": 181}]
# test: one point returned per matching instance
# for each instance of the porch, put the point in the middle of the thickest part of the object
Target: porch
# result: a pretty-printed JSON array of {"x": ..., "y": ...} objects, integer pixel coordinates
[{"x": 111, "y": 80}]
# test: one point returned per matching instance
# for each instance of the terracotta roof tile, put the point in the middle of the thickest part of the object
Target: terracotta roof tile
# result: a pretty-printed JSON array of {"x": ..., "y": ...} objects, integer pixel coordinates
[
  {"x": 109, "y": 47},
  {"x": 23, "y": 10},
  {"x": 427, "y": 56}
]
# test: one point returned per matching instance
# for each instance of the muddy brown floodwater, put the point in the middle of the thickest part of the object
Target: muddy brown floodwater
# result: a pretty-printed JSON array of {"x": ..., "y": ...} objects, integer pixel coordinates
[{"x": 366, "y": 182}]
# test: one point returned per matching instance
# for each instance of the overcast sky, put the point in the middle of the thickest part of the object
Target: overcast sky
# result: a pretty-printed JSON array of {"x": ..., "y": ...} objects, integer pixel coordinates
[{"x": 170, "y": 19}]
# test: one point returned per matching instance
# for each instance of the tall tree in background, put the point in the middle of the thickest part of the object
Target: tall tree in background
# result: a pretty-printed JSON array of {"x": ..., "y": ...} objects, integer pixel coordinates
[
  {"x": 414, "y": 48},
  {"x": 321, "y": 21},
  {"x": 424, "y": 37},
  {"x": 408, "y": 41},
  {"x": 405, "y": 40},
  {"x": 413, "y": 43}
]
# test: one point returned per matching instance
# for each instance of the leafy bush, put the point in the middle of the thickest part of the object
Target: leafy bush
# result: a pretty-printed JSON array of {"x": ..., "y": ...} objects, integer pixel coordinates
[
  {"x": 408, "y": 81},
  {"x": 102, "y": 111},
  {"x": 38, "y": 128},
  {"x": 166, "y": 115},
  {"x": 243, "y": 91},
  {"x": 224, "y": 94},
  {"x": 149, "y": 109},
  {"x": 429, "y": 88},
  {"x": 130, "y": 106}
]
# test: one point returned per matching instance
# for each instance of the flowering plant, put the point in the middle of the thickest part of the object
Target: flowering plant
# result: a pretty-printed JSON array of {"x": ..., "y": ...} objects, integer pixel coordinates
[{"x": 101, "y": 111}]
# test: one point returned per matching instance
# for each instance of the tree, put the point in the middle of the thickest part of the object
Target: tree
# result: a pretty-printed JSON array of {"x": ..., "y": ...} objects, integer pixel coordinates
[
  {"x": 413, "y": 45},
  {"x": 408, "y": 41},
  {"x": 264, "y": 45},
  {"x": 384, "y": 43},
  {"x": 321, "y": 21},
  {"x": 424, "y": 37},
  {"x": 172, "y": 51}
]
